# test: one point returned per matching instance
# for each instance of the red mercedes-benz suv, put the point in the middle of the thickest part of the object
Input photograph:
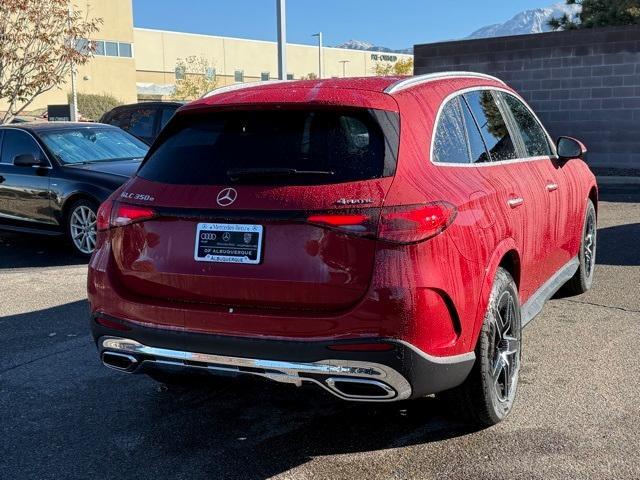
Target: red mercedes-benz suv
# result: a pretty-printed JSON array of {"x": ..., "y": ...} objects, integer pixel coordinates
[{"x": 383, "y": 238}]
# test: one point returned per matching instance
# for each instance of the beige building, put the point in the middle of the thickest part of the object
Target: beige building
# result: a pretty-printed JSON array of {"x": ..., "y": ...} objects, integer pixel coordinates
[
  {"x": 235, "y": 60},
  {"x": 138, "y": 63}
]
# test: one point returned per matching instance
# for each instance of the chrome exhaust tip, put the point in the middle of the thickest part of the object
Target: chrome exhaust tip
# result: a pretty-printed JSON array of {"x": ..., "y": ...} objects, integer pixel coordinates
[
  {"x": 359, "y": 388},
  {"x": 120, "y": 361}
]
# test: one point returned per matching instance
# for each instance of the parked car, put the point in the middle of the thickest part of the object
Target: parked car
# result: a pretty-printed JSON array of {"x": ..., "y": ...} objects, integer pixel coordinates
[
  {"x": 383, "y": 238},
  {"x": 144, "y": 120},
  {"x": 53, "y": 177}
]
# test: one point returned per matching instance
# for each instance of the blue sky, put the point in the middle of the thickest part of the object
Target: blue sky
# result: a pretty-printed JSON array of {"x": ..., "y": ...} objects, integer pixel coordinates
[{"x": 391, "y": 23}]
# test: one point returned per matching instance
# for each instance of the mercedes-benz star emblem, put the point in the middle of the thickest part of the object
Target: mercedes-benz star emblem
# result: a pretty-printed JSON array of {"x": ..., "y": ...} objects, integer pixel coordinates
[{"x": 227, "y": 196}]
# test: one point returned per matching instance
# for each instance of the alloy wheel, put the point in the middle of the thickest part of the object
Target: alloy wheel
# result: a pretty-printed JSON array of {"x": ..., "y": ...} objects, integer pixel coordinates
[
  {"x": 83, "y": 229},
  {"x": 505, "y": 337},
  {"x": 589, "y": 246}
]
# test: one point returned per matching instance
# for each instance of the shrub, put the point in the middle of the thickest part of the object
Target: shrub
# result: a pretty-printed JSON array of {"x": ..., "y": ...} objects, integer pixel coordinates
[{"x": 92, "y": 106}]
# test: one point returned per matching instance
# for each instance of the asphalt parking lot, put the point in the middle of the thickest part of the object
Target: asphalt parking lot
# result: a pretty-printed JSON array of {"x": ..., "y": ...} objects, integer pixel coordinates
[{"x": 63, "y": 415}]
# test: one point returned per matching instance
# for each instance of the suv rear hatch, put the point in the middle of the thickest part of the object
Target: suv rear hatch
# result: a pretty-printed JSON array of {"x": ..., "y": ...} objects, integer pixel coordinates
[{"x": 258, "y": 208}]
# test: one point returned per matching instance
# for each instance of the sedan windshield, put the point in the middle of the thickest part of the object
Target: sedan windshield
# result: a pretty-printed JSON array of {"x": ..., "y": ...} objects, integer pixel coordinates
[{"x": 88, "y": 144}]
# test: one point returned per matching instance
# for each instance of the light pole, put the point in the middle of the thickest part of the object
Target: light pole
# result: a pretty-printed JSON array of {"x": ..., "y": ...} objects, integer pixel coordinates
[
  {"x": 319, "y": 35},
  {"x": 344, "y": 64},
  {"x": 281, "y": 6},
  {"x": 74, "y": 92}
]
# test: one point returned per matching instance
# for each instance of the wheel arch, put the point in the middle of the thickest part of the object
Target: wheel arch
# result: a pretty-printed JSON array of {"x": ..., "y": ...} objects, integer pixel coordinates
[
  {"x": 74, "y": 197},
  {"x": 593, "y": 196},
  {"x": 507, "y": 256}
]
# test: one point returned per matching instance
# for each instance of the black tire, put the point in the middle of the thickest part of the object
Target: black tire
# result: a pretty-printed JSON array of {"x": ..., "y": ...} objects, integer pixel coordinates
[
  {"x": 81, "y": 205},
  {"x": 480, "y": 400},
  {"x": 583, "y": 278}
]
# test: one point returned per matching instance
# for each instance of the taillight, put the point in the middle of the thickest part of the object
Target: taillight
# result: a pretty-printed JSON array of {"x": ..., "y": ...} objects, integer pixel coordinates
[
  {"x": 124, "y": 214},
  {"x": 415, "y": 223},
  {"x": 401, "y": 225},
  {"x": 115, "y": 214},
  {"x": 103, "y": 218}
]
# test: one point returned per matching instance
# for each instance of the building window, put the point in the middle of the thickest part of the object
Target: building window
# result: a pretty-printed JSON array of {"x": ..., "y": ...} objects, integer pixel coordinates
[
  {"x": 210, "y": 73},
  {"x": 99, "y": 44},
  {"x": 111, "y": 49},
  {"x": 82, "y": 45},
  {"x": 289, "y": 76},
  {"x": 238, "y": 76},
  {"x": 264, "y": 76},
  {"x": 125, "y": 50},
  {"x": 180, "y": 72}
]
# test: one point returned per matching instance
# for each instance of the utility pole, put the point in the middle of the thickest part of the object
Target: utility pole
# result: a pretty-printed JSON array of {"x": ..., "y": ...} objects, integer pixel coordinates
[
  {"x": 319, "y": 35},
  {"x": 281, "y": 6},
  {"x": 344, "y": 64}
]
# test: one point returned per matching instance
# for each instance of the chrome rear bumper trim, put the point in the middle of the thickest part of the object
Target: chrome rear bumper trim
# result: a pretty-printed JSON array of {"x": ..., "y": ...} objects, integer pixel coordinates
[{"x": 326, "y": 373}]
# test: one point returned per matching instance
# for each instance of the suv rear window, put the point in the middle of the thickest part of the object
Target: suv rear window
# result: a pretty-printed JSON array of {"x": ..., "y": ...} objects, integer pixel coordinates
[{"x": 285, "y": 147}]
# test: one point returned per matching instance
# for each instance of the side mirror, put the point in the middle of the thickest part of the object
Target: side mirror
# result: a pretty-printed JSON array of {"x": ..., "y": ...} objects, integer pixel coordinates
[
  {"x": 570, "y": 148},
  {"x": 26, "y": 160}
]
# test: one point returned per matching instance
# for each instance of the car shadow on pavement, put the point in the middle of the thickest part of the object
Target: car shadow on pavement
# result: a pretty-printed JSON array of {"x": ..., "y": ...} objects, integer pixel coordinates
[
  {"x": 31, "y": 251},
  {"x": 59, "y": 402},
  {"x": 269, "y": 429},
  {"x": 619, "y": 245}
]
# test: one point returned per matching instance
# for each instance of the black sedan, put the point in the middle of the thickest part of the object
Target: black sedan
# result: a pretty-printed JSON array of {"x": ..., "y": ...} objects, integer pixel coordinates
[{"x": 53, "y": 177}]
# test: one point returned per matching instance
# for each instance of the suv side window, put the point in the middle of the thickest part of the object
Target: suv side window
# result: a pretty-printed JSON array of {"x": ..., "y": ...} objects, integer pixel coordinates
[
  {"x": 533, "y": 135},
  {"x": 451, "y": 144},
  {"x": 165, "y": 116},
  {"x": 17, "y": 143},
  {"x": 492, "y": 125},
  {"x": 121, "y": 119},
  {"x": 142, "y": 122}
]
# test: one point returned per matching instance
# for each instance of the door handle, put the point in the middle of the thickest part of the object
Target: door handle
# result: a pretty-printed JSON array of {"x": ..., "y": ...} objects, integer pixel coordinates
[
  {"x": 552, "y": 187},
  {"x": 515, "y": 202}
]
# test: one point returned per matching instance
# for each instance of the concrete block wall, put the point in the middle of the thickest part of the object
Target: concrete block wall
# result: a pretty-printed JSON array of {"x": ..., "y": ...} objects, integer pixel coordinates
[{"x": 582, "y": 83}]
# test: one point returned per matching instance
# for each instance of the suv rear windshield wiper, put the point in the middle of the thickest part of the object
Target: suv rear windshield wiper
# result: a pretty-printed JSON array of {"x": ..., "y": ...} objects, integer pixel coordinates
[{"x": 237, "y": 173}]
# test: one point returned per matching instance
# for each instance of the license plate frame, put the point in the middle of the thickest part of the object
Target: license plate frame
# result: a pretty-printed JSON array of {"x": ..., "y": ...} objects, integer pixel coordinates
[{"x": 221, "y": 241}]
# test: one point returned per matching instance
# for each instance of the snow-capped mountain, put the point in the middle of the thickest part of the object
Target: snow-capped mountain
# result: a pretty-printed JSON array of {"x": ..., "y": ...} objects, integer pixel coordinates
[
  {"x": 364, "y": 45},
  {"x": 529, "y": 21}
]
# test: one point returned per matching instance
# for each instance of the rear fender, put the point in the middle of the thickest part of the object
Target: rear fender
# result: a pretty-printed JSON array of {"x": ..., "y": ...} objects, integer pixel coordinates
[{"x": 499, "y": 252}]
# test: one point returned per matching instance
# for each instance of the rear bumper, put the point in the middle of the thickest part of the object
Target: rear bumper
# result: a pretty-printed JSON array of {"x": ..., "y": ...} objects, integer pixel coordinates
[{"x": 399, "y": 373}]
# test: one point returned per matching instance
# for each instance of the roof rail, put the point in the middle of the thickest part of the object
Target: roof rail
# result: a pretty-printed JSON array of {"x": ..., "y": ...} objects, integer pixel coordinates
[
  {"x": 240, "y": 86},
  {"x": 430, "y": 77}
]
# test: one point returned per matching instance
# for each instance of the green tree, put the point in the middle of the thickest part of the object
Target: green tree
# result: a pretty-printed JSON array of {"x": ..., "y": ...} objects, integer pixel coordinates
[
  {"x": 599, "y": 13},
  {"x": 195, "y": 76}
]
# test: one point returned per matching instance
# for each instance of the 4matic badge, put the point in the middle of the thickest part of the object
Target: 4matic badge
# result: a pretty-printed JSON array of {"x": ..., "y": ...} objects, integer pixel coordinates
[{"x": 353, "y": 201}]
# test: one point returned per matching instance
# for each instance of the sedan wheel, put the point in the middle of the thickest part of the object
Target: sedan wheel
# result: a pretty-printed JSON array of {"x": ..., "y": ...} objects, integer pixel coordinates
[{"x": 82, "y": 228}]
